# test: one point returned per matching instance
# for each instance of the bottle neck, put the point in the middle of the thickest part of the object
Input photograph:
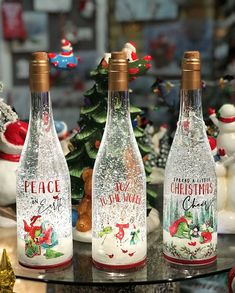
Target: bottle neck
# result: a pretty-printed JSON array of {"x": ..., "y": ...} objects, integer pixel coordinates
[
  {"x": 41, "y": 111},
  {"x": 190, "y": 104},
  {"x": 118, "y": 105}
]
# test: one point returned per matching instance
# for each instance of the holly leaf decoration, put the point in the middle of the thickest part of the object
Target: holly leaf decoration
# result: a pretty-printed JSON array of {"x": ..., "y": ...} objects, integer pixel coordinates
[
  {"x": 100, "y": 115},
  {"x": 77, "y": 167},
  {"x": 91, "y": 149},
  {"x": 89, "y": 109},
  {"x": 74, "y": 154},
  {"x": 144, "y": 148},
  {"x": 86, "y": 132},
  {"x": 138, "y": 132},
  {"x": 135, "y": 110}
]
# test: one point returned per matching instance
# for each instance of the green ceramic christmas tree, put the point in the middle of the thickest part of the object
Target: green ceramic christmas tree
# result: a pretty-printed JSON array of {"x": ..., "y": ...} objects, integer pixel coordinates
[{"x": 86, "y": 142}]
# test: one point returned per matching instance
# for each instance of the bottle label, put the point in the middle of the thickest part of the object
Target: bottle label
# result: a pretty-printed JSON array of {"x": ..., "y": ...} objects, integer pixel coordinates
[
  {"x": 44, "y": 222},
  {"x": 119, "y": 230},
  {"x": 189, "y": 224}
]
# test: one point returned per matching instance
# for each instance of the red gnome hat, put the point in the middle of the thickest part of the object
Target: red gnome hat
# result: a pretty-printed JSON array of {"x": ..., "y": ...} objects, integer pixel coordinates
[
  {"x": 12, "y": 140},
  {"x": 66, "y": 45}
]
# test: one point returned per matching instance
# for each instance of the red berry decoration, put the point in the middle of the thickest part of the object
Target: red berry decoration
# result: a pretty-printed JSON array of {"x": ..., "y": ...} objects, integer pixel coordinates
[{"x": 97, "y": 144}]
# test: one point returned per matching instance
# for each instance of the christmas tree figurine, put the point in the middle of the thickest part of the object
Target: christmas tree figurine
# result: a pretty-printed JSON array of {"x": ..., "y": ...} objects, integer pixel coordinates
[
  {"x": 7, "y": 276},
  {"x": 86, "y": 142},
  {"x": 65, "y": 59}
]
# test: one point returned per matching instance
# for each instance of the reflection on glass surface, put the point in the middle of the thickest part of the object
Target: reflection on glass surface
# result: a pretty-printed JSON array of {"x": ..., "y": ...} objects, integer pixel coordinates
[{"x": 156, "y": 270}]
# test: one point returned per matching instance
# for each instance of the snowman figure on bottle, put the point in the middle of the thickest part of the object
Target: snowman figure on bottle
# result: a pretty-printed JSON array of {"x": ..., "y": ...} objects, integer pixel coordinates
[{"x": 225, "y": 121}]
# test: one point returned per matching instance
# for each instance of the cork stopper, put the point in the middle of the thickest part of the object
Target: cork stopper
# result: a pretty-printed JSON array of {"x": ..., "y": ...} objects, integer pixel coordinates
[
  {"x": 118, "y": 72},
  {"x": 191, "y": 70},
  {"x": 39, "y": 71}
]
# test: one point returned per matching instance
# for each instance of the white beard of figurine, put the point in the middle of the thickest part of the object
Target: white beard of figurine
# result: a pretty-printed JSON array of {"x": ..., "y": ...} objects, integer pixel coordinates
[{"x": 225, "y": 168}]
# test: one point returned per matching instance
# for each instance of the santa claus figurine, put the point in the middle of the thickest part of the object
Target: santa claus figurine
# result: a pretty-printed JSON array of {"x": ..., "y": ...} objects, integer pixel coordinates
[
  {"x": 136, "y": 66},
  {"x": 65, "y": 59},
  {"x": 130, "y": 50},
  {"x": 11, "y": 143}
]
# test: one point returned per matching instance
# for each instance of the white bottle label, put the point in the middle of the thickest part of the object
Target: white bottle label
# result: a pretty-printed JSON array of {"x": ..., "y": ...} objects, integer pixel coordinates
[
  {"x": 44, "y": 223},
  {"x": 119, "y": 227},
  {"x": 190, "y": 225}
]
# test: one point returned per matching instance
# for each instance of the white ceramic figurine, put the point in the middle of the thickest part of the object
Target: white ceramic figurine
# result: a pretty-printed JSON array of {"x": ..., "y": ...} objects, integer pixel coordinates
[{"x": 225, "y": 167}]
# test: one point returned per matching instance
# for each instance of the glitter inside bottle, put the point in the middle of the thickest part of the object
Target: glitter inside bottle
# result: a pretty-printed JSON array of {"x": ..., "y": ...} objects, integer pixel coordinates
[
  {"x": 118, "y": 183},
  {"x": 189, "y": 212},
  {"x": 44, "y": 229}
]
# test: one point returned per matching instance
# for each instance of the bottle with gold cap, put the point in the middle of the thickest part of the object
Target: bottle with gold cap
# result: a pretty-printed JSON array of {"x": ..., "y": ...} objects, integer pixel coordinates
[
  {"x": 44, "y": 229},
  {"x": 189, "y": 212},
  {"x": 118, "y": 183}
]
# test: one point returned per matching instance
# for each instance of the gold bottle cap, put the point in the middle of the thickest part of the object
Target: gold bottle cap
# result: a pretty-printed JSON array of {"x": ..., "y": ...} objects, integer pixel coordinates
[
  {"x": 118, "y": 72},
  {"x": 39, "y": 71},
  {"x": 191, "y": 70}
]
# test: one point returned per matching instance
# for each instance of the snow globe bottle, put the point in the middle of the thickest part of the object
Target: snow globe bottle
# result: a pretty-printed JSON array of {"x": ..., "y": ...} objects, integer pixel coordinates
[
  {"x": 190, "y": 185},
  {"x": 44, "y": 229},
  {"x": 118, "y": 182}
]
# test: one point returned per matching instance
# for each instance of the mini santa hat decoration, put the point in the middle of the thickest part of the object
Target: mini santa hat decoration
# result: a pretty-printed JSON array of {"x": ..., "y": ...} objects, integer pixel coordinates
[
  {"x": 212, "y": 142},
  {"x": 130, "y": 50},
  {"x": 13, "y": 138},
  {"x": 131, "y": 46},
  {"x": 65, "y": 43}
]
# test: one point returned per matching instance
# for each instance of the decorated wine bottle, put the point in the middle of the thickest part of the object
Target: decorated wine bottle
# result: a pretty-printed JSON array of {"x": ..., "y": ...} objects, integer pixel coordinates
[
  {"x": 118, "y": 182},
  {"x": 189, "y": 212},
  {"x": 44, "y": 229}
]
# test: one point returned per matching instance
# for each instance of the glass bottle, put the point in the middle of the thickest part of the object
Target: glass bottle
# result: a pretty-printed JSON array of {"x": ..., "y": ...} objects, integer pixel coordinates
[
  {"x": 44, "y": 229},
  {"x": 189, "y": 211},
  {"x": 118, "y": 182}
]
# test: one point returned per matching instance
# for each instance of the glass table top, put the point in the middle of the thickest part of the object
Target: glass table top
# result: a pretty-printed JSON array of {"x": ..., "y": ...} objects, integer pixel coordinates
[{"x": 156, "y": 270}]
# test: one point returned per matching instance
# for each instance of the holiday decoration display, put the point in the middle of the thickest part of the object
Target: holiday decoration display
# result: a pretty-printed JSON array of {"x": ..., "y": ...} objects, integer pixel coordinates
[
  {"x": 12, "y": 137},
  {"x": 65, "y": 59},
  {"x": 190, "y": 218},
  {"x": 85, "y": 144},
  {"x": 7, "y": 276},
  {"x": 12, "y": 20},
  {"x": 44, "y": 228},
  {"x": 119, "y": 237},
  {"x": 224, "y": 120}
]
